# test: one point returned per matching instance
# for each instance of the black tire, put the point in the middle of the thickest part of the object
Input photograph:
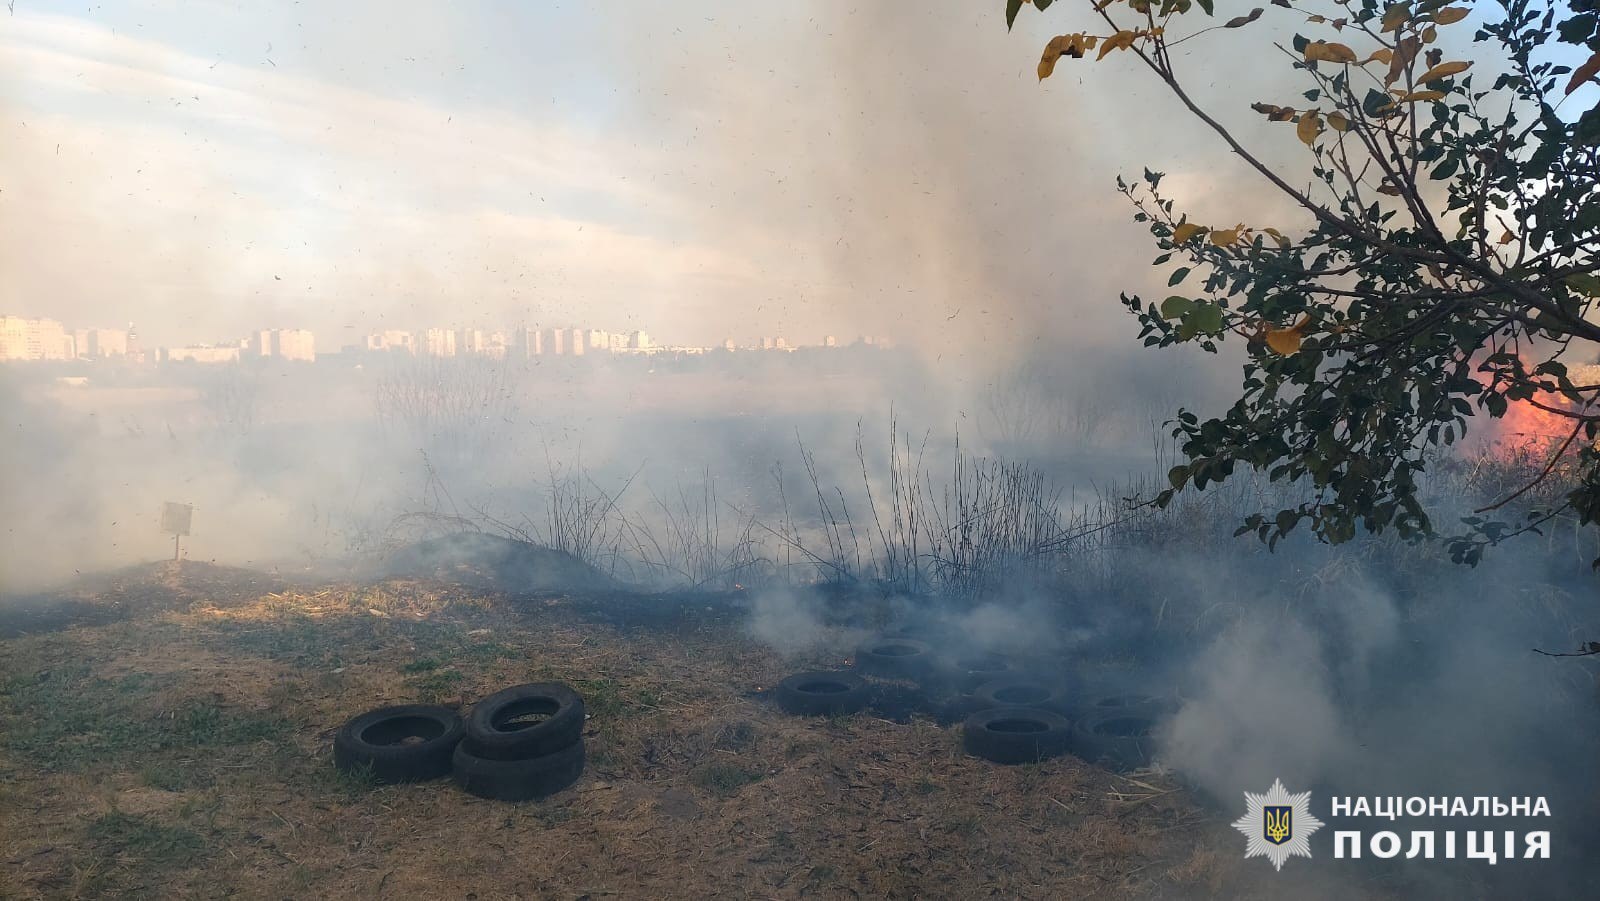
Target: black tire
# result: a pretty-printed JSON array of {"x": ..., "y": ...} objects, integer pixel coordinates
[
  {"x": 971, "y": 671},
  {"x": 1022, "y": 691},
  {"x": 376, "y": 742},
  {"x": 518, "y": 780},
  {"x": 1121, "y": 739},
  {"x": 895, "y": 658},
  {"x": 494, "y": 734},
  {"x": 1132, "y": 703},
  {"x": 1016, "y": 734},
  {"x": 822, "y": 693}
]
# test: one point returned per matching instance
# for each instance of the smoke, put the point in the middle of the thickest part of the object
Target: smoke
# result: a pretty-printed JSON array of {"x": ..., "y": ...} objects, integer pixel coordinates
[{"x": 790, "y": 622}]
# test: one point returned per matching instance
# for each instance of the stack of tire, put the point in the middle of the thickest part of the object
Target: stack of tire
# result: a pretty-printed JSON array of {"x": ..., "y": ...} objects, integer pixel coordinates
[
  {"x": 1118, "y": 730},
  {"x": 1016, "y": 718},
  {"x": 518, "y": 744},
  {"x": 507, "y": 756}
]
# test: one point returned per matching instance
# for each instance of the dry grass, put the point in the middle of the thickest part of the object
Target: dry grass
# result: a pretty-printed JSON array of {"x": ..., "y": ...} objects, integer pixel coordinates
[{"x": 695, "y": 787}]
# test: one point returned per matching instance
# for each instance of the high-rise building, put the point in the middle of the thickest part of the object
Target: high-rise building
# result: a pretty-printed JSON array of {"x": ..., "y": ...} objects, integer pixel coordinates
[
  {"x": 296, "y": 344},
  {"x": 104, "y": 342},
  {"x": 638, "y": 340},
  {"x": 830, "y": 341},
  {"x": 528, "y": 342},
  {"x": 496, "y": 346},
  {"x": 392, "y": 339},
  {"x": 577, "y": 342},
  {"x": 34, "y": 339},
  {"x": 439, "y": 342},
  {"x": 470, "y": 342},
  {"x": 555, "y": 341}
]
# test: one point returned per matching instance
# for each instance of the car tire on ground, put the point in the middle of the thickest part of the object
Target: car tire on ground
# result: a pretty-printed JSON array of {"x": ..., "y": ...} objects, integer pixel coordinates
[
  {"x": 1134, "y": 703},
  {"x": 1016, "y": 734},
  {"x": 895, "y": 658},
  {"x": 1121, "y": 739},
  {"x": 403, "y": 743},
  {"x": 822, "y": 693},
  {"x": 517, "y": 780},
  {"x": 1022, "y": 691},
  {"x": 496, "y": 732},
  {"x": 968, "y": 672}
]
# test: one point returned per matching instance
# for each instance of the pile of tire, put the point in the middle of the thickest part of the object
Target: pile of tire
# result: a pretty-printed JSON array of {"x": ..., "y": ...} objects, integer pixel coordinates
[
  {"x": 892, "y": 657},
  {"x": 518, "y": 744},
  {"x": 1118, "y": 730},
  {"x": 1016, "y": 719},
  {"x": 508, "y": 757}
]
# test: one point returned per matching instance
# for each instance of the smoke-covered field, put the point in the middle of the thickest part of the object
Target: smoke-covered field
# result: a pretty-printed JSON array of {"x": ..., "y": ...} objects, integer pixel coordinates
[
  {"x": 674, "y": 528},
  {"x": 807, "y": 519}
]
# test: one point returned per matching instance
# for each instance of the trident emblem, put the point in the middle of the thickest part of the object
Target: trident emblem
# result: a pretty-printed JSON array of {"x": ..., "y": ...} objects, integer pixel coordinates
[{"x": 1277, "y": 823}]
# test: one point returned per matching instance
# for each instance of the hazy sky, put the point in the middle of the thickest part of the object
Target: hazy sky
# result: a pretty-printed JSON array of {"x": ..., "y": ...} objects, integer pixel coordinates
[{"x": 700, "y": 170}]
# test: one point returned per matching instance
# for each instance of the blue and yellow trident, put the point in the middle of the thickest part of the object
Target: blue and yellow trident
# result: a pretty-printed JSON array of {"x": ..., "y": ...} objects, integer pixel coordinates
[{"x": 1277, "y": 823}]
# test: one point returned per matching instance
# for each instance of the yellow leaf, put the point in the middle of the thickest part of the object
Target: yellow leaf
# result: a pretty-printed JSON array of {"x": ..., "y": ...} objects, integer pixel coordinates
[
  {"x": 1317, "y": 19},
  {"x": 1382, "y": 55},
  {"x": 1309, "y": 126},
  {"x": 1186, "y": 231},
  {"x": 1119, "y": 41},
  {"x": 1059, "y": 46},
  {"x": 1430, "y": 34},
  {"x": 1338, "y": 121},
  {"x": 1507, "y": 237},
  {"x": 1223, "y": 237},
  {"x": 1331, "y": 51},
  {"x": 1395, "y": 16},
  {"x": 1450, "y": 14},
  {"x": 1277, "y": 236},
  {"x": 1419, "y": 96},
  {"x": 1584, "y": 72},
  {"x": 1284, "y": 340},
  {"x": 1445, "y": 70}
]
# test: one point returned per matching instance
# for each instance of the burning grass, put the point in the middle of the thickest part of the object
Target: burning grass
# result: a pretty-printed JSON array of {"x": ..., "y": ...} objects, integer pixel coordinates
[{"x": 187, "y": 755}]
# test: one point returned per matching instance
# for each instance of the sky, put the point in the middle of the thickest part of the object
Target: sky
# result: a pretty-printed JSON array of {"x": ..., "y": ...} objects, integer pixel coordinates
[{"x": 698, "y": 170}]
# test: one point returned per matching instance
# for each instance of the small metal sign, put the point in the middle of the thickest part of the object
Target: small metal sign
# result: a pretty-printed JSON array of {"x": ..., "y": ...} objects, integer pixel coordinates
[
  {"x": 175, "y": 522},
  {"x": 175, "y": 518}
]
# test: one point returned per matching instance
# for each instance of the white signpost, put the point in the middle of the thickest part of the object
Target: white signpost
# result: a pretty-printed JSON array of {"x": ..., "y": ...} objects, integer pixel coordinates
[{"x": 175, "y": 520}]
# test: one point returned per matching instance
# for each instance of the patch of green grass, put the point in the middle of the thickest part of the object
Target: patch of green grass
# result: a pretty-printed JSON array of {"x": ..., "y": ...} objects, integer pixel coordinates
[
  {"x": 436, "y": 685},
  {"x": 146, "y": 843},
  {"x": 724, "y": 779},
  {"x": 296, "y": 638},
  {"x": 608, "y": 699},
  {"x": 70, "y": 719},
  {"x": 422, "y": 665},
  {"x": 168, "y": 776},
  {"x": 924, "y": 787}
]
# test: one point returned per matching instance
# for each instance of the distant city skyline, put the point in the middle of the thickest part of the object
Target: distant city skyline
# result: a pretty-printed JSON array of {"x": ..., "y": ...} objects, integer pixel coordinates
[
  {"x": 26, "y": 339},
  {"x": 207, "y": 169}
]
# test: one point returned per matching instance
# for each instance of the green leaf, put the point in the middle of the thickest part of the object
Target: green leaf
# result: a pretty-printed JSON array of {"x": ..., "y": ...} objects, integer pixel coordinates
[
  {"x": 1206, "y": 5},
  {"x": 1012, "y": 7},
  {"x": 1178, "y": 276},
  {"x": 1584, "y": 283},
  {"x": 1175, "y": 307},
  {"x": 1204, "y": 319}
]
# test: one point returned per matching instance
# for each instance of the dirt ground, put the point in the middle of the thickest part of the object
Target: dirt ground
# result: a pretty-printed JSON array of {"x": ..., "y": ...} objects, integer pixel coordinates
[{"x": 185, "y": 753}]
